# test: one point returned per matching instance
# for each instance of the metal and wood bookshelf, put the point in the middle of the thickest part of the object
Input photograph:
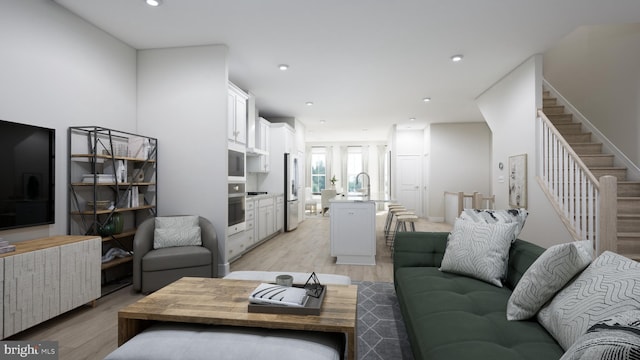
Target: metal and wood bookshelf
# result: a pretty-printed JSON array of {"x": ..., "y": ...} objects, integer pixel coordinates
[{"x": 112, "y": 189}]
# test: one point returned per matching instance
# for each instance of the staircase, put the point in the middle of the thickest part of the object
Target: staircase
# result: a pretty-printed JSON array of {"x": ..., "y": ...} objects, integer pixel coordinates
[{"x": 600, "y": 164}]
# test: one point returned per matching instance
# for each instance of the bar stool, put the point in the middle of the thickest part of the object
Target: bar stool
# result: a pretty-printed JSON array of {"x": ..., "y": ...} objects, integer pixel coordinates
[
  {"x": 401, "y": 225},
  {"x": 387, "y": 224},
  {"x": 390, "y": 215},
  {"x": 396, "y": 214}
]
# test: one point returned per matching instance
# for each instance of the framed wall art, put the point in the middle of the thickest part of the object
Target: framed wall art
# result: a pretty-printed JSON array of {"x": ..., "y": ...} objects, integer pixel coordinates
[{"x": 518, "y": 181}]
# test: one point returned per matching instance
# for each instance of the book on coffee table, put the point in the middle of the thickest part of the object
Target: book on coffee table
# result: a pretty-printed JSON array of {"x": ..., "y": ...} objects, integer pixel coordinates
[{"x": 297, "y": 301}]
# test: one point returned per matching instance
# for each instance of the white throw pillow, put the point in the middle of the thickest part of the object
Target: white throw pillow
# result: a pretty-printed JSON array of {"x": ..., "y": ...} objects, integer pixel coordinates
[
  {"x": 172, "y": 222},
  {"x": 546, "y": 276},
  {"x": 182, "y": 236},
  {"x": 489, "y": 216},
  {"x": 479, "y": 250},
  {"x": 611, "y": 284},
  {"x": 615, "y": 338}
]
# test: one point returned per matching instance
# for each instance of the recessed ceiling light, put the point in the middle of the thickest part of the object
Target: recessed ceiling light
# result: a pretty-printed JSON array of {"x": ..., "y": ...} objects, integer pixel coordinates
[
  {"x": 309, "y": 103},
  {"x": 153, "y": 3},
  {"x": 283, "y": 67},
  {"x": 427, "y": 99},
  {"x": 412, "y": 119},
  {"x": 322, "y": 121},
  {"x": 456, "y": 58}
]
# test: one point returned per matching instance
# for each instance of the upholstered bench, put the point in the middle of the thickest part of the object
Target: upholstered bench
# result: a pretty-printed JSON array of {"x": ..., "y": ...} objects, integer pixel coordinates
[{"x": 197, "y": 341}]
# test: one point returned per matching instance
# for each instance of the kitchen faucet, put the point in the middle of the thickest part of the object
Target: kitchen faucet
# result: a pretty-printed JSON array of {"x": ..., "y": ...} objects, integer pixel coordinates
[{"x": 368, "y": 182}]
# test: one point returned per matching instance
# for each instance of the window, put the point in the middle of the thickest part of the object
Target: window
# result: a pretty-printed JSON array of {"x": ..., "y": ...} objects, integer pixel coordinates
[
  {"x": 354, "y": 167},
  {"x": 318, "y": 169}
]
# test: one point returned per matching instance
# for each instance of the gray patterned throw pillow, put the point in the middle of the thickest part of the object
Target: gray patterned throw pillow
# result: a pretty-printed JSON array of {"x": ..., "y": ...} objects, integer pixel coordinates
[
  {"x": 186, "y": 236},
  {"x": 546, "y": 276},
  {"x": 610, "y": 285},
  {"x": 173, "y": 231},
  {"x": 615, "y": 338},
  {"x": 479, "y": 250}
]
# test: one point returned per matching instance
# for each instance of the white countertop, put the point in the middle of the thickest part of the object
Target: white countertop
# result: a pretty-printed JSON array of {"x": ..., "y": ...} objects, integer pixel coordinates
[
  {"x": 263, "y": 196},
  {"x": 358, "y": 198}
]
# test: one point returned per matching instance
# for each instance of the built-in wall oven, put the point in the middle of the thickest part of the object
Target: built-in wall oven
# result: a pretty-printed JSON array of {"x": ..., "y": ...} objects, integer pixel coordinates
[{"x": 235, "y": 211}]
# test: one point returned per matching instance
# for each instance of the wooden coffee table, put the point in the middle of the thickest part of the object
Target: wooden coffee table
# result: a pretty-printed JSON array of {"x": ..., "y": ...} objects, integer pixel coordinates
[{"x": 225, "y": 302}]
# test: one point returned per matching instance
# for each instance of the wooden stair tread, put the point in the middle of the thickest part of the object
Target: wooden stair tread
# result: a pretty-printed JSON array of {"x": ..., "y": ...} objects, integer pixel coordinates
[
  {"x": 585, "y": 143},
  {"x": 629, "y": 216},
  {"x": 629, "y": 234},
  {"x": 613, "y": 168}
]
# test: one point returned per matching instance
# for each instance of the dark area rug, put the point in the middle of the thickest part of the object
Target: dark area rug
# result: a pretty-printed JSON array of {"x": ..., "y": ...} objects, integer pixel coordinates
[{"x": 381, "y": 331}]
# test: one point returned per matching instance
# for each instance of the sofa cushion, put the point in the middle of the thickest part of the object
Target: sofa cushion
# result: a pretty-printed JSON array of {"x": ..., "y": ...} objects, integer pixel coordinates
[
  {"x": 480, "y": 250},
  {"x": 176, "y": 258},
  {"x": 450, "y": 316},
  {"x": 546, "y": 276},
  {"x": 616, "y": 338},
  {"x": 522, "y": 255},
  {"x": 489, "y": 216},
  {"x": 609, "y": 285}
]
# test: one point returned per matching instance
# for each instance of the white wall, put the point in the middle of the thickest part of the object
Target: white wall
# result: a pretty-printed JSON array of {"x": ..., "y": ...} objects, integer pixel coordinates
[
  {"x": 597, "y": 68},
  {"x": 56, "y": 71},
  {"x": 509, "y": 107},
  {"x": 182, "y": 101},
  {"x": 460, "y": 160}
]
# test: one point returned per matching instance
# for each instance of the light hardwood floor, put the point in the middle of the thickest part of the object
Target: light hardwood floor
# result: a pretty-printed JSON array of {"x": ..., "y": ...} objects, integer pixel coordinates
[
  {"x": 91, "y": 332},
  {"x": 307, "y": 249}
]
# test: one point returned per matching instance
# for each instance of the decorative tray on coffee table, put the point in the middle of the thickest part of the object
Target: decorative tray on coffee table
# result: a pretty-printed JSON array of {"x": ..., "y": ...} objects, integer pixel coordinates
[{"x": 312, "y": 306}]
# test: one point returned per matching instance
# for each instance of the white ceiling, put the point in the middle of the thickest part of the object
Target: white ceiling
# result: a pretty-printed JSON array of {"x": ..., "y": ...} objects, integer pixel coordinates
[{"x": 365, "y": 64}]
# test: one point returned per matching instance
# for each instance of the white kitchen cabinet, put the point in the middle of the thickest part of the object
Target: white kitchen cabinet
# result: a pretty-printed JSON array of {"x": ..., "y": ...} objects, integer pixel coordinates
[
  {"x": 279, "y": 213},
  {"x": 250, "y": 221},
  {"x": 263, "y": 136},
  {"x": 237, "y": 244},
  {"x": 266, "y": 218},
  {"x": 258, "y": 164},
  {"x": 237, "y": 115},
  {"x": 263, "y": 220},
  {"x": 353, "y": 235}
]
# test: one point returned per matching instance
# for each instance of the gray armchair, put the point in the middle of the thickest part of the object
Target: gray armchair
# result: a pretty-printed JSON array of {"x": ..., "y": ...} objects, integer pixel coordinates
[{"x": 155, "y": 268}]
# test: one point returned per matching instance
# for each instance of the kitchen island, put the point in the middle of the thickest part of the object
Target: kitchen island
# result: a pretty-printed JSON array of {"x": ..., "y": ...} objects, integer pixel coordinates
[{"x": 353, "y": 230}]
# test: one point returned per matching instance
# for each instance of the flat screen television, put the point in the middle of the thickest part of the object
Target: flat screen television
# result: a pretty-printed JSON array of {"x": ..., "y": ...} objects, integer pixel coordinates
[{"x": 27, "y": 175}]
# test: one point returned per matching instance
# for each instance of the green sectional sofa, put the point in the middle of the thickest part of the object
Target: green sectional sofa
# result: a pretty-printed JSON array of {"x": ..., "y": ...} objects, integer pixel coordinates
[{"x": 451, "y": 316}]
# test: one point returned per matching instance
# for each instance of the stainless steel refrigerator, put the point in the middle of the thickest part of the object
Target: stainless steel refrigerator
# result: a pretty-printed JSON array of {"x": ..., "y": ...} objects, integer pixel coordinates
[{"x": 290, "y": 192}]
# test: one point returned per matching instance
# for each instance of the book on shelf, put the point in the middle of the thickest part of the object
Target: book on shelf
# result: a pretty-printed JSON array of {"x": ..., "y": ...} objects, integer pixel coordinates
[
  {"x": 271, "y": 294},
  {"x": 139, "y": 147}
]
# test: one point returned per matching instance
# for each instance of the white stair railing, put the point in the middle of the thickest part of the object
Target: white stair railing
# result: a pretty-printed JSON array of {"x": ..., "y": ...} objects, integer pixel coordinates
[{"x": 579, "y": 198}]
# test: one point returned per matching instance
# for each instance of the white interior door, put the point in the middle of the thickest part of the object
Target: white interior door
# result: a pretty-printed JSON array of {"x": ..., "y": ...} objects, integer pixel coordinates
[{"x": 409, "y": 182}]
